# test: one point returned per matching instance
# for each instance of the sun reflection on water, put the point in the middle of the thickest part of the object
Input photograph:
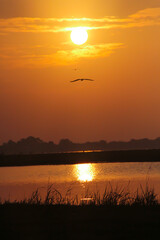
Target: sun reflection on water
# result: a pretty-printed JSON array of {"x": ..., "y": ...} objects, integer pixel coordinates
[{"x": 84, "y": 172}]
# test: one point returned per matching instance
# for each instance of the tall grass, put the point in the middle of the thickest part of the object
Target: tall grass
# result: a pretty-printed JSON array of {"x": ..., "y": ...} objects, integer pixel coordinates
[
  {"x": 146, "y": 197},
  {"x": 112, "y": 196}
]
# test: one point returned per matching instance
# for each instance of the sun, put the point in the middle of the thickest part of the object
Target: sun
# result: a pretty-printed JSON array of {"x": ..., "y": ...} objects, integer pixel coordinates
[{"x": 79, "y": 35}]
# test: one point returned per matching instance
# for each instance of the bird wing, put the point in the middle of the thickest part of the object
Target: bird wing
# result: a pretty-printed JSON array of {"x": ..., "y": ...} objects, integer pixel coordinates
[
  {"x": 88, "y": 79},
  {"x": 82, "y": 79},
  {"x": 75, "y": 80}
]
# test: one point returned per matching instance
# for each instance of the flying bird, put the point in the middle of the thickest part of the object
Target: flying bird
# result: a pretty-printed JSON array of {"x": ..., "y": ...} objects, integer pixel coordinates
[{"x": 82, "y": 79}]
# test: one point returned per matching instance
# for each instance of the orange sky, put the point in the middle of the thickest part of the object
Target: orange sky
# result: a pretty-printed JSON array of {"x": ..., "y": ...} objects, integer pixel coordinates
[{"x": 38, "y": 58}]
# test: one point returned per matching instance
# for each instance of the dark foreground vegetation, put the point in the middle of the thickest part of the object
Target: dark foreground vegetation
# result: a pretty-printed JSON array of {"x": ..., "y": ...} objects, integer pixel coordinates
[
  {"x": 80, "y": 157},
  {"x": 114, "y": 215},
  {"x": 41, "y": 222}
]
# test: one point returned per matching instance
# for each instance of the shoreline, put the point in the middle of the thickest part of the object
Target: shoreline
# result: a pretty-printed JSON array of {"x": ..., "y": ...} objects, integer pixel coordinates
[{"x": 80, "y": 157}]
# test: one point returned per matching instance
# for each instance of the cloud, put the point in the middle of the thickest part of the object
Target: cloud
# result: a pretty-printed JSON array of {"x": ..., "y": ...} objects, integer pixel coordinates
[
  {"x": 89, "y": 51},
  {"x": 28, "y": 54},
  {"x": 149, "y": 13},
  {"x": 21, "y": 57},
  {"x": 146, "y": 17},
  {"x": 50, "y": 24}
]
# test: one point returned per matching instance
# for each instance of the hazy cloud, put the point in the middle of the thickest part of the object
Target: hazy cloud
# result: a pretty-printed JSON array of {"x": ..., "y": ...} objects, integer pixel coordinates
[
  {"x": 89, "y": 51},
  {"x": 15, "y": 54},
  {"x": 146, "y": 17},
  {"x": 21, "y": 57}
]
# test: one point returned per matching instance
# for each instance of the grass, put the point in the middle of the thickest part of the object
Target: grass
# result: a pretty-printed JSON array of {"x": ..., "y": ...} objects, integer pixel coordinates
[
  {"x": 112, "y": 196},
  {"x": 115, "y": 214}
]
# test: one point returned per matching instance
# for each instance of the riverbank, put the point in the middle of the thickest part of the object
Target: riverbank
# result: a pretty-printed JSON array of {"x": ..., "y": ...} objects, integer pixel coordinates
[
  {"x": 80, "y": 157},
  {"x": 42, "y": 222}
]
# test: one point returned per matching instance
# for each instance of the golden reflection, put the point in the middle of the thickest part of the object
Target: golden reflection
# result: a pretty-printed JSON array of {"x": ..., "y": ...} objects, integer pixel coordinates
[{"x": 84, "y": 172}]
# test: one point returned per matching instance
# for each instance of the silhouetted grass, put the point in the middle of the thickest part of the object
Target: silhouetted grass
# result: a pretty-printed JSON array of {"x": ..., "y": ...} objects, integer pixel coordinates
[
  {"x": 112, "y": 196},
  {"x": 114, "y": 214},
  {"x": 147, "y": 197}
]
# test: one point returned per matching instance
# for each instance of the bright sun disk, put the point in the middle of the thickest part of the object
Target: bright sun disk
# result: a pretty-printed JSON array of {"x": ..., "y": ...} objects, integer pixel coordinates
[{"x": 79, "y": 35}]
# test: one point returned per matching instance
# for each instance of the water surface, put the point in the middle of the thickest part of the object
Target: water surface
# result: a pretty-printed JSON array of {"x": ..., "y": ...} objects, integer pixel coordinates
[{"x": 20, "y": 182}]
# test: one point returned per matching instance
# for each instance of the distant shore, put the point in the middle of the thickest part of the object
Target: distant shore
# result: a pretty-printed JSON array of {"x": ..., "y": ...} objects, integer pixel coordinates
[{"x": 80, "y": 157}]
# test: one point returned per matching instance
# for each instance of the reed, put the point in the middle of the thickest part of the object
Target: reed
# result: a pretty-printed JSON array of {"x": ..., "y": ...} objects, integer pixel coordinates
[
  {"x": 147, "y": 197},
  {"x": 112, "y": 196}
]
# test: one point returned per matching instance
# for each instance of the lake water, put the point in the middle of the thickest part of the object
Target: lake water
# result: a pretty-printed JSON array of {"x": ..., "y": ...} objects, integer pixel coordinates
[{"x": 20, "y": 182}]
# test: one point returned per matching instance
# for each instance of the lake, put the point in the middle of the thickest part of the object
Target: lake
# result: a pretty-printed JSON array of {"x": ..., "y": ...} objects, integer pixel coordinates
[{"x": 19, "y": 182}]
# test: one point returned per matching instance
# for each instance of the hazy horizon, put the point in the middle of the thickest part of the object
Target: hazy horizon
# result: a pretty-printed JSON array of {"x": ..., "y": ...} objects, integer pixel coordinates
[{"x": 50, "y": 140}]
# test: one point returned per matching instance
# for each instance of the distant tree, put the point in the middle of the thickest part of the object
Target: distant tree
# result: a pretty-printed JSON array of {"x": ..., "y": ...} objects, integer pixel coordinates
[{"x": 65, "y": 144}]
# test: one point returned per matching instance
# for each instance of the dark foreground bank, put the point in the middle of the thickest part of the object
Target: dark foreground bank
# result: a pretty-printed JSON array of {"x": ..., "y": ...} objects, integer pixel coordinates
[
  {"x": 80, "y": 157},
  {"x": 78, "y": 222}
]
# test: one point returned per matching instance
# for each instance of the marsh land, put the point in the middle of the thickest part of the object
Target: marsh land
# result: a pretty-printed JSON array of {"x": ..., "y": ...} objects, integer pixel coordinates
[{"x": 80, "y": 157}]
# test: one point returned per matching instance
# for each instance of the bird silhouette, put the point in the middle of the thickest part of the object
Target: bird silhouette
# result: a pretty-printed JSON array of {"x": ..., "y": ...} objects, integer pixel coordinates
[{"x": 82, "y": 79}]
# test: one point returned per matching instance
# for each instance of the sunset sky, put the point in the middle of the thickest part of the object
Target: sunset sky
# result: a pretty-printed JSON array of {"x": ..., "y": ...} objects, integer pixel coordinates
[{"x": 38, "y": 60}]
